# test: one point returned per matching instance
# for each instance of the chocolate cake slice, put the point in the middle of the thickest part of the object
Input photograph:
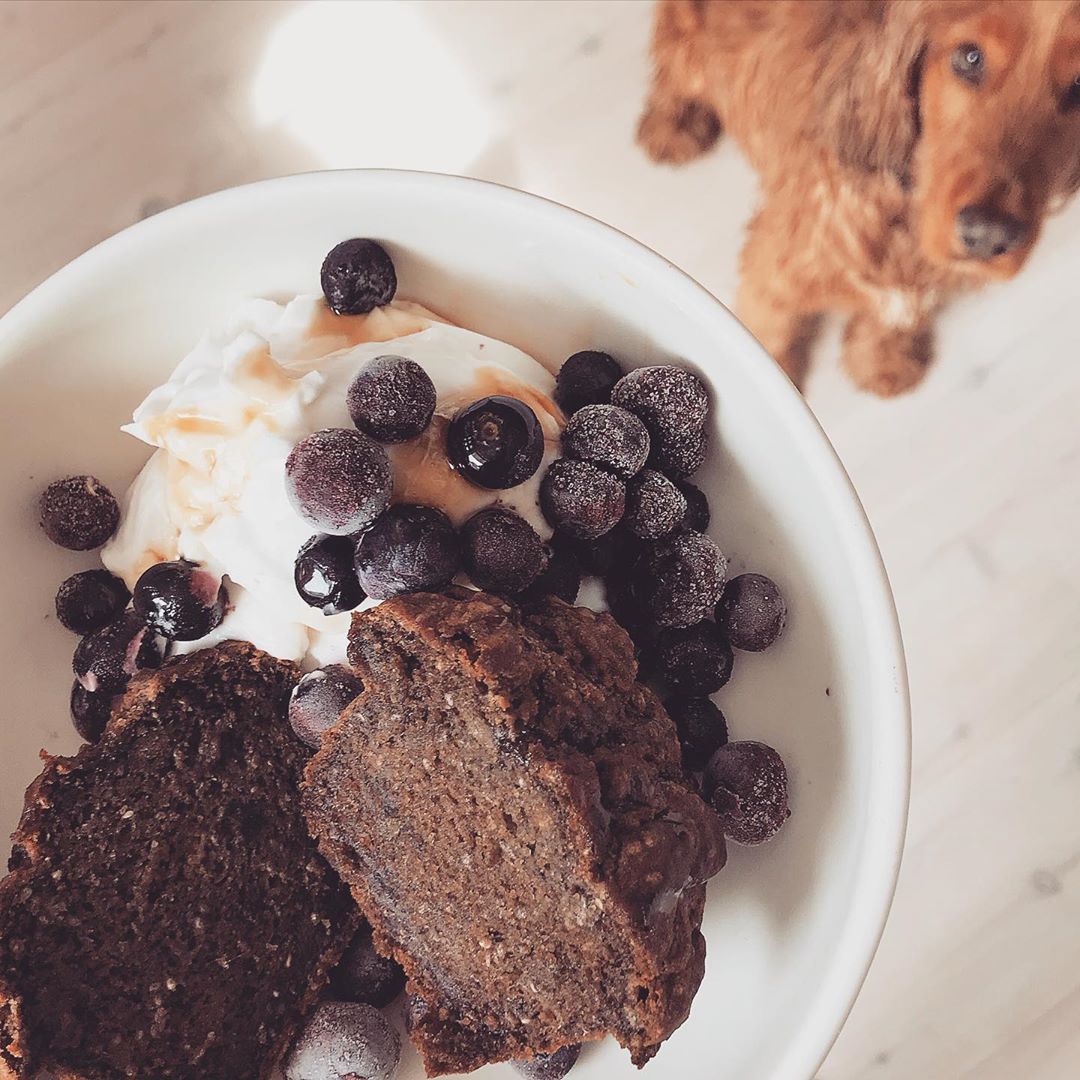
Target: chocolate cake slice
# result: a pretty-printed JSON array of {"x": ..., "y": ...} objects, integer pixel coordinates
[
  {"x": 508, "y": 806},
  {"x": 166, "y": 914}
]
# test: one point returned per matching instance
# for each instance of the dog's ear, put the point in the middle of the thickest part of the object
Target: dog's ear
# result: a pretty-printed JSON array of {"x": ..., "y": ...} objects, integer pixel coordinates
[{"x": 871, "y": 110}]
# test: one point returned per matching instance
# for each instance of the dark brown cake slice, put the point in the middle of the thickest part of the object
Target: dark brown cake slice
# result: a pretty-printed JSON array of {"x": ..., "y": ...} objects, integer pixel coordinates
[
  {"x": 166, "y": 914},
  {"x": 508, "y": 805}
]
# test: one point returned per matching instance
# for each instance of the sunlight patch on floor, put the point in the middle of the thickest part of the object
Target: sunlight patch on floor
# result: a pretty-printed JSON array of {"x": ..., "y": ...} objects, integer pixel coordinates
[{"x": 365, "y": 84}]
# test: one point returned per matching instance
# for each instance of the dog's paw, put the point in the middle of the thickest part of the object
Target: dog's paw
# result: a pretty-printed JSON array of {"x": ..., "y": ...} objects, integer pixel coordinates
[
  {"x": 891, "y": 380},
  {"x": 886, "y": 363},
  {"x": 676, "y": 134}
]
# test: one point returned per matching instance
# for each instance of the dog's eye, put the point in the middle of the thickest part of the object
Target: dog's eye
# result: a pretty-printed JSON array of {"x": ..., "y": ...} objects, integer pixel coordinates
[
  {"x": 1071, "y": 100},
  {"x": 968, "y": 63}
]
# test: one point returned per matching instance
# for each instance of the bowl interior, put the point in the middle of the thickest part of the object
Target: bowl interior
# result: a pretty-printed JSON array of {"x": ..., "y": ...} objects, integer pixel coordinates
[{"x": 790, "y": 926}]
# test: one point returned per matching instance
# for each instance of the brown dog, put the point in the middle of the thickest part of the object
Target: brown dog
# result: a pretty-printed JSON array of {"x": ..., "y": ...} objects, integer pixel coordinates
[{"x": 908, "y": 149}]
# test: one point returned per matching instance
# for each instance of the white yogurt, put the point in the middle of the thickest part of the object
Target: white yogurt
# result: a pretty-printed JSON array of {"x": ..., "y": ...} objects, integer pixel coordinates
[{"x": 214, "y": 492}]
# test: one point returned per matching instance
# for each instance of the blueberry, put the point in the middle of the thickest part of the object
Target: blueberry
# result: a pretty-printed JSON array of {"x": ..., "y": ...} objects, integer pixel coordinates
[
  {"x": 325, "y": 576},
  {"x": 365, "y": 976},
  {"x": 594, "y": 557},
  {"x": 586, "y": 378},
  {"x": 90, "y": 600},
  {"x": 581, "y": 500},
  {"x": 501, "y": 551},
  {"x": 679, "y": 456},
  {"x": 628, "y": 551},
  {"x": 561, "y": 577},
  {"x": 693, "y": 660},
  {"x": 752, "y": 612},
  {"x": 671, "y": 400},
  {"x": 702, "y": 729},
  {"x": 627, "y": 613},
  {"x": 654, "y": 505},
  {"x": 391, "y": 399},
  {"x": 344, "y": 1040},
  {"x": 357, "y": 276},
  {"x": 697, "y": 516},
  {"x": 607, "y": 436},
  {"x": 610, "y": 554},
  {"x": 747, "y": 784},
  {"x": 180, "y": 601},
  {"x": 495, "y": 442},
  {"x": 78, "y": 513},
  {"x": 409, "y": 549},
  {"x": 318, "y": 699},
  {"x": 89, "y": 712},
  {"x": 106, "y": 659},
  {"x": 339, "y": 481},
  {"x": 553, "y": 1066},
  {"x": 678, "y": 580}
]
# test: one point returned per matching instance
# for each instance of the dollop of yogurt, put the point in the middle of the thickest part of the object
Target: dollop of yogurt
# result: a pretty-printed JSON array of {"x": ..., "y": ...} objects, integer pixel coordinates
[{"x": 214, "y": 489}]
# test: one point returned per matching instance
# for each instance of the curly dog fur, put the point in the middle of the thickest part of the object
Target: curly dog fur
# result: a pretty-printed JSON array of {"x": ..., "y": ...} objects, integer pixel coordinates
[{"x": 907, "y": 149}]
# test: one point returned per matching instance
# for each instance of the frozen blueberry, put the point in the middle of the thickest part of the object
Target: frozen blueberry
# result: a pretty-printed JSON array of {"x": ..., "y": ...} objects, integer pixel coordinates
[
  {"x": 409, "y": 549},
  {"x": 391, "y": 399},
  {"x": 553, "y": 1066},
  {"x": 697, "y": 516},
  {"x": 495, "y": 442},
  {"x": 365, "y": 976},
  {"x": 627, "y": 613},
  {"x": 325, "y": 576},
  {"x": 607, "y": 555},
  {"x": 561, "y": 577},
  {"x": 580, "y": 499},
  {"x": 107, "y": 658},
  {"x": 501, "y": 551},
  {"x": 607, "y": 436},
  {"x": 586, "y": 378},
  {"x": 671, "y": 400},
  {"x": 693, "y": 660},
  {"x": 594, "y": 557},
  {"x": 344, "y": 1040},
  {"x": 747, "y": 785},
  {"x": 620, "y": 601},
  {"x": 89, "y": 712},
  {"x": 678, "y": 580},
  {"x": 90, "y": 600},
  {"x": 78, "y": 513},
  {"x": 357, "y": 276},
  {"x": 702, "y": 729},
  {"x": 317, "y": 700},
  {"x": 180, "y": 601},
  {"x": 679, "y": 456},
  {"x": 338, "y": 481},
  {"x": 751, "y": 612},
  {"x": 654, "y": 505}
]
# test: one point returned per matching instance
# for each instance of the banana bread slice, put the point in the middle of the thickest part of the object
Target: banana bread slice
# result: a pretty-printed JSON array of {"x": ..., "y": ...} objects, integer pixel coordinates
[
  {"x": 508, "y": 805},
  {"x": 166, "y": 914}
]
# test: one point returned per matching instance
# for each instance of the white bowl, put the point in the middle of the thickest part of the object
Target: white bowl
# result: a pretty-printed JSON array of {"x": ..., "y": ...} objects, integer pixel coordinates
[{"x": 791, "y": 926}]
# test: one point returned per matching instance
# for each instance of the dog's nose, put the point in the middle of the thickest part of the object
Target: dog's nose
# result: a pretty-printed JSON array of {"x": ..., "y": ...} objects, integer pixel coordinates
[{"x": 986, "y": 233}]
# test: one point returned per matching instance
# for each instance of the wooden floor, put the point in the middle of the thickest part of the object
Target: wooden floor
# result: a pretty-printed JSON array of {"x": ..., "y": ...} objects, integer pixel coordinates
[{"x": 111, "y": 110}]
